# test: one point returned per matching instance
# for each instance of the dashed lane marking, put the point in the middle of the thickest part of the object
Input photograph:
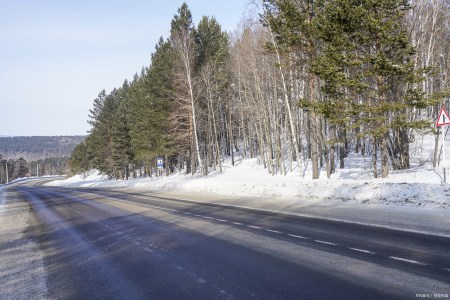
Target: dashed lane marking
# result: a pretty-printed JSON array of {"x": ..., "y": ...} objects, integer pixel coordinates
[
  {"x": 168, "y": 209},
  {"x": 221, "y": 220},
  {"x": 324, "y": 242},
  {"x": 408, "y": 260},
  {"x": 448, "y": 270},
  {"x": 361, "y": 250},
  {"x": 298, "y": 236},
  {"x": 254, "y": 227},
  {"x": 274, "y": 231},
  {"x": 279, "y": 232}
]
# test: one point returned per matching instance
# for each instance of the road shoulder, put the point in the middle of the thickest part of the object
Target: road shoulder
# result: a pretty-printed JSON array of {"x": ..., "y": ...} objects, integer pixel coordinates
[
  {"x": 421, "y": 220},
  {"x": 22, "y": 272}
]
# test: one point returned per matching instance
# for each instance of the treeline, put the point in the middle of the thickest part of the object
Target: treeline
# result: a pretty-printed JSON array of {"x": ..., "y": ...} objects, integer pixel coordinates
[
  {"x": 12, "y": 169},
  {"x": 306, "y": 83},
  {"x": 50, "y": 166},
  {"x": 33, "y": 148}
]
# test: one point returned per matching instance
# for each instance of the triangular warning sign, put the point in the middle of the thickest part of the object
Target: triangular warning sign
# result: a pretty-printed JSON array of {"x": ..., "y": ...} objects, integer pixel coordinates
[{"x": 443, "y": 118}]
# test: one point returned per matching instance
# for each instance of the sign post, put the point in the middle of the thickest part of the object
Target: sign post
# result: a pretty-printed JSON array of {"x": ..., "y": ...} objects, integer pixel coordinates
[
  {"x": 160, "y": 165},
  {"x": 442, "y": 121}
]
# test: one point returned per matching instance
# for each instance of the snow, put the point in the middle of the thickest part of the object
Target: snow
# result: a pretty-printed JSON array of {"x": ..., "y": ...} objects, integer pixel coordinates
[
  {"x": 2, "y": 199},
  {"x": 419, "y": 187}
]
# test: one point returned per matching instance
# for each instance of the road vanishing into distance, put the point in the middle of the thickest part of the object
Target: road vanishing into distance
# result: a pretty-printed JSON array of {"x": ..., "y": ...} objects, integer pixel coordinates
[{"x": 118, "y": 244}]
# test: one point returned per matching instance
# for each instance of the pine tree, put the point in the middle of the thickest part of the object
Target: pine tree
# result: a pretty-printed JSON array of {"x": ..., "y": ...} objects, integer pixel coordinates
[
  {"x": 121, "y": 140},
  {"x": 79, "y": 161},
  {"x": 150, "y": 107},
  {"x": 368, "y": 69},
  {"x": 101, "y": 144}
]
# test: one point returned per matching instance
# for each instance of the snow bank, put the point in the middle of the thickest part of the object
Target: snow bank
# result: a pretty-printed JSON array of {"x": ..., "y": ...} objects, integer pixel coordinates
[
  {"x": 417, "y": 187},
  {"x": 2, "y": 199}
]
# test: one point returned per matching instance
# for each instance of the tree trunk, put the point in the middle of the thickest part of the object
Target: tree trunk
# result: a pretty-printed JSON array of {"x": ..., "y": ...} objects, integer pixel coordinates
[
  {"x": 436, "y": 148},
  {"x": 384, "y": 157},
  {"x": 287, "y": 103},
  {"x": 374, "y": 157},
  {"x": 313, "y": 132},
  {"x": 332, "y": 147},
  {"x": 230, "y": 131},
  {"x": 314, "y": 145},
  {"x": 404, "y": 151}
]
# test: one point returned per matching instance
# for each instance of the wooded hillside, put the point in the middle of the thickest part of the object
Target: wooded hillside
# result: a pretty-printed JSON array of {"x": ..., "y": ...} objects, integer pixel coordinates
[
  {"x": 38, "y": 147},
  {"x": 35, "y": 156}
]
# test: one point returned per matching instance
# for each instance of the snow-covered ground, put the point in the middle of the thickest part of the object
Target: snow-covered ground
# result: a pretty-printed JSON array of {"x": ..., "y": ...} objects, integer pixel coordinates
[
  {"x": 2, "y": 199},
  {"x": 420, "y": 186}
]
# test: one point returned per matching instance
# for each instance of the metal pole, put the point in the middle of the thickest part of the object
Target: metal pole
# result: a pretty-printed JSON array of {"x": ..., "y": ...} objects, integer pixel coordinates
[
  {"x": 443, "y": 153},
  {"x": 7, "y": 176}
]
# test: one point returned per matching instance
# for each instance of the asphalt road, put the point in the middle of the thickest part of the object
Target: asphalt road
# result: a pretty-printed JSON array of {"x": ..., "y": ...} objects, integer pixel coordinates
[{"x": 112, "y": 244}]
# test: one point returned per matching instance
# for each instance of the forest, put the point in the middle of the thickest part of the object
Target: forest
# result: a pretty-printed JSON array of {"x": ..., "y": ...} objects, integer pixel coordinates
[
  {"x": 23, "y": 156},
  {"x": 302, "y": 83},
  {"x": 33, "y": 148},
  {"x": 12, "y": 169}
]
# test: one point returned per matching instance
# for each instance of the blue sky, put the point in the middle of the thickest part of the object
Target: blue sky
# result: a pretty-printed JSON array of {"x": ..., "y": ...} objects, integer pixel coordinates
[{"x": 56, "y": 56}]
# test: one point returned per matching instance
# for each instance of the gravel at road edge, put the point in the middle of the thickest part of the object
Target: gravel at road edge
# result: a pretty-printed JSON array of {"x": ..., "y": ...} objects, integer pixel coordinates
[{"x": 22, "y": 271}]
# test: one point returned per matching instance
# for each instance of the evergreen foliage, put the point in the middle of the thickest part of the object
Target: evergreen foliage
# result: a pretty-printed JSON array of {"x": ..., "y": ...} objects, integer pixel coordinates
[{"x": 318, "y": 79}]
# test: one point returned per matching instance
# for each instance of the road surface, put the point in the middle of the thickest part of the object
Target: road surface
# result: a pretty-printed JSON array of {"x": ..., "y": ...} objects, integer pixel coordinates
[{"x": 117, "y": 244}]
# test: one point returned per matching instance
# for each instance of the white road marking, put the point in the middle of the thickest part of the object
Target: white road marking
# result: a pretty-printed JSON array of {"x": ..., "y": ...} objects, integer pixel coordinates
[
  {"x": 236, "y": 223},
  {"x": 298, "y": 236},
  {"x": 448, "y": 270},
  {"x": 186, "y": 213},
  {"x": 221, "y": 220},
  {"x": 255, "y": 227},
  {"x": 206, "y": 217},
  {"x": 310, "y": 216},
  {"x": 324, "y": 242},
  {"x": 148, "y": 250},
  {"x": 168, "y": 209},
  {"x": 274, "y": 231},
  {"x": 408, "y": 260},
  {"x": 361, "y": 250}
]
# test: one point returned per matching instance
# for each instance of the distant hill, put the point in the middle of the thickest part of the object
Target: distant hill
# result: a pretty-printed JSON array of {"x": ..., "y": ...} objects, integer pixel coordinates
[{"x": 38, "y": 147}]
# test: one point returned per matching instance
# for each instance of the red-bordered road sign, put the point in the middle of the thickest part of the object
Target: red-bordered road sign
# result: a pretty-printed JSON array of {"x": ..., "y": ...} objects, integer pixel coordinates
[{"x": 443, "y": 118}]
